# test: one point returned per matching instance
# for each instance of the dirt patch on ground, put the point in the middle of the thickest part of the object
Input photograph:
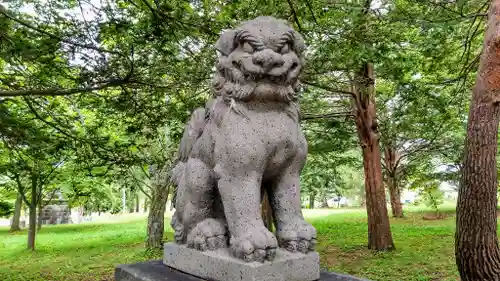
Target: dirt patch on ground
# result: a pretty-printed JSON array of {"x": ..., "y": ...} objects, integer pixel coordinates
[
  {"x": 434, "y": 216},
  {"x": 332, "y": 256}
]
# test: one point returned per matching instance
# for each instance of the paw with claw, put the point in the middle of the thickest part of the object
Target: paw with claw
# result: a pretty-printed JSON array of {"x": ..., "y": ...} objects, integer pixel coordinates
[
  {"x": 297, "y": 238},
  {"x": 208, "y": 235},
  {"x": 257, "y": 245}
]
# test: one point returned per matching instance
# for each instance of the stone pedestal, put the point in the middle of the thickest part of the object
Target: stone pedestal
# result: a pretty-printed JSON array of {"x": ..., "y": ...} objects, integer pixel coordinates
[
  {"x": 157, "y": 271},
  {"x": 221, "y": 266}
]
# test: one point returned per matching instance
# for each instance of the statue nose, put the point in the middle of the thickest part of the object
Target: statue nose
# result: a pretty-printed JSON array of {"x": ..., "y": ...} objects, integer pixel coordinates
[{"x": 268, "y": 59}]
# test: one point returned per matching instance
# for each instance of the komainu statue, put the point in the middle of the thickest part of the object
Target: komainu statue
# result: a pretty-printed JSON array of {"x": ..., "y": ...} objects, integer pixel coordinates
[{"x": 246, "y": 140}]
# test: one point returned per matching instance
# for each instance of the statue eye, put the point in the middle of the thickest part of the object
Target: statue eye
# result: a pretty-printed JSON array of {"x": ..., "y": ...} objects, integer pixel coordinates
[
  {"x": 247, "y": 47},
  {"x": 285, "y": 49}
]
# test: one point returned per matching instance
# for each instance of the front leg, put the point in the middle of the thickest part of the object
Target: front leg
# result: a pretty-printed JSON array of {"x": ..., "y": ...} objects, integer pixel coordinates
[
  {"x": 196, "y": 223},
  {"x": 293, "y": 231},
  {"x": 250, "y": 239}
]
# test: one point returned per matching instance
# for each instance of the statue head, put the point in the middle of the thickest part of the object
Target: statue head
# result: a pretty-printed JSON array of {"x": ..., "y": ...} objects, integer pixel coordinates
[{"x": 261, "y": 59}]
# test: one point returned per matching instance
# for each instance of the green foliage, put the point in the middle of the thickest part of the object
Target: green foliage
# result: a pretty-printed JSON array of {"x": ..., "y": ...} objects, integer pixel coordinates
[
  {"x": 432, "y": 195},
  {"x": 6, "y": 209},
  {"x": 328, "y": 175},
  {"x": 117, "y": 80}
]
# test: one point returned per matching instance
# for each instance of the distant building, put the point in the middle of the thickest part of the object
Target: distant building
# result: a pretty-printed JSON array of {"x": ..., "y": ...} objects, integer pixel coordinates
[
  {"x": 450, "y": 191},
  {"x": 56, "y": 211},
  {"x": 409, "y": 196}
]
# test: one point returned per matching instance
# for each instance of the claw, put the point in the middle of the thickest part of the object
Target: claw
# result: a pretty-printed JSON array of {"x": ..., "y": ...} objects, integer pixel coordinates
[
  {"x": 212, "y": 243},
  {"x": 303, "y": 246},
  {"x": 208, "y": 235},
  {"x": 203, "y": 247},
  {"x": 248, "y": 258},
  {"x": 312, "y": 245},
  {"x": 247, "y": 247},
  {"x": 292, "y": 246},
  {"x": 259, "y": 255},
  {"x": 299, "y": 237},
  {"x": 259, "y": 245},
  {"x": 221, "y": 241},
  {"x": 270, "y": 254}
]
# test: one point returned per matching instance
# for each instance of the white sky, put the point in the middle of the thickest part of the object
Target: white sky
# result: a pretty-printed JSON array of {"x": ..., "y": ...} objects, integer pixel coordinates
[{"x": 87, "y": 10}]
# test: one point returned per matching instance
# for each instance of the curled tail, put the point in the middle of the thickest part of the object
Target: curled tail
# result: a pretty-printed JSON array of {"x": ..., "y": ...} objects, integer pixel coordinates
[{"x": 192, "y": 131}]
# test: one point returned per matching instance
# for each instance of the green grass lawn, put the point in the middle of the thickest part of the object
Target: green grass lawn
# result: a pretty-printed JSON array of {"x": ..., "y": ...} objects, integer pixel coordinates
[{"x": 89, "y": 252}]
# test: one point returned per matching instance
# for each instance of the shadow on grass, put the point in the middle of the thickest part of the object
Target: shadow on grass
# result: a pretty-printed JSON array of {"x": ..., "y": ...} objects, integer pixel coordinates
[
  {"x": 84, "y": 227},
  {"x": 5, "y": 231},
  {"x": 102, "y": 245}
]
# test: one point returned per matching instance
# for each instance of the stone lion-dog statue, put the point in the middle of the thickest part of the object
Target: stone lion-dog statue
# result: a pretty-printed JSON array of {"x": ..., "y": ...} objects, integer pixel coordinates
[{"x": 246, "y": 140}]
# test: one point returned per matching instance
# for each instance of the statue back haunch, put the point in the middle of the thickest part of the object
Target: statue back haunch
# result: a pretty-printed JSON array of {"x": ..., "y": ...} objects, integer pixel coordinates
[{"x": 247, "y": 138}]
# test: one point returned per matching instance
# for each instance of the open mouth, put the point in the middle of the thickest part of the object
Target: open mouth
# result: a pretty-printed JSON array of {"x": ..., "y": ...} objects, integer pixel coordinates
[{"x": 266, "y": 78}]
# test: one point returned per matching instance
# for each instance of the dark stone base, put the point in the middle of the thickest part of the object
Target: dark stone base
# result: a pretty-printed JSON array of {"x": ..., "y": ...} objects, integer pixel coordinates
[{"x": 157, "y": 271}]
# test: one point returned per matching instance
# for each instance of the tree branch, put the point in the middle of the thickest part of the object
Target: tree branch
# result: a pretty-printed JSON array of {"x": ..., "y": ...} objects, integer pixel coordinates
[
  {"x": 48, "y": 201},
  {"x": 326, "y": 115},
  {"x": 138, "y": 182},
  {"x": 311, "y": 10},
  {"x": 64, "y": 92},
  {"x": 327, "y": 88},
  {"x": 3, "y": 11},
  {"x": 295, "y": 17},
  {"x": 20, "y": 189}
]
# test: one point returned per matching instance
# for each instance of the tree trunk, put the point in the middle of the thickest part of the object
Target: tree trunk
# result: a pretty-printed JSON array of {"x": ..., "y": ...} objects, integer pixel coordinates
[
  {"x": 14, "y": 226},
  {"x": 476, "y": 243},
  {"x": 32, "y": 214},
  {"x": 131, "y": 203},
  {"x": 156, "y": 216},
  {"x": 379, "y": 232},
  {"x": 137, "y": 203},
  {"x": 156, "y": 220},
  {"x": 391, "y": 164},
  {"x": 324, "y": 202},
  {"x": 39, "y": 217},
  {"x": 311, "y": 200},
  {"x": 124, "y": 200},
  {"x": 395, "y": 193},
  {"x": 363, "y": 199},
  {"x": 146, "y": 202}
]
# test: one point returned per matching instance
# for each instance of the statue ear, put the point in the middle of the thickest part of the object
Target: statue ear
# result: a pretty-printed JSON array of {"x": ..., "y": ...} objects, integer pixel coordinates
[
  {"x": 299, "y": 44},
  {"x": 226, "y": 43}
]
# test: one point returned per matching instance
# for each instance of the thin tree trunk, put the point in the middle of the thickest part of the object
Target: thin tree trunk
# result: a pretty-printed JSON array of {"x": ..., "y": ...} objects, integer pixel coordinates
[
  {"x": 14, "y": 226},
  {"x": 39, "y": 217},
  {"x": 395, "y": 194},
  {"x": 379, "y": 232},
  {"x": 124, "y": 200},
  {"x": 146, "y": 202},
  {"x": 324, "y": 202},
  {"x": 311, "y": 200},
  {"x": 477, "y": 252},
  {"x": 137, "y": 203},
  {"x": 32, "y": 214},
  {"x": 391, "y": 160},
  {"x": 131, "y": 203},
  {"x": 363, "y": 199},
  {"x": 156, "y": 220},
  {"x": 156, "y": 216}
]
